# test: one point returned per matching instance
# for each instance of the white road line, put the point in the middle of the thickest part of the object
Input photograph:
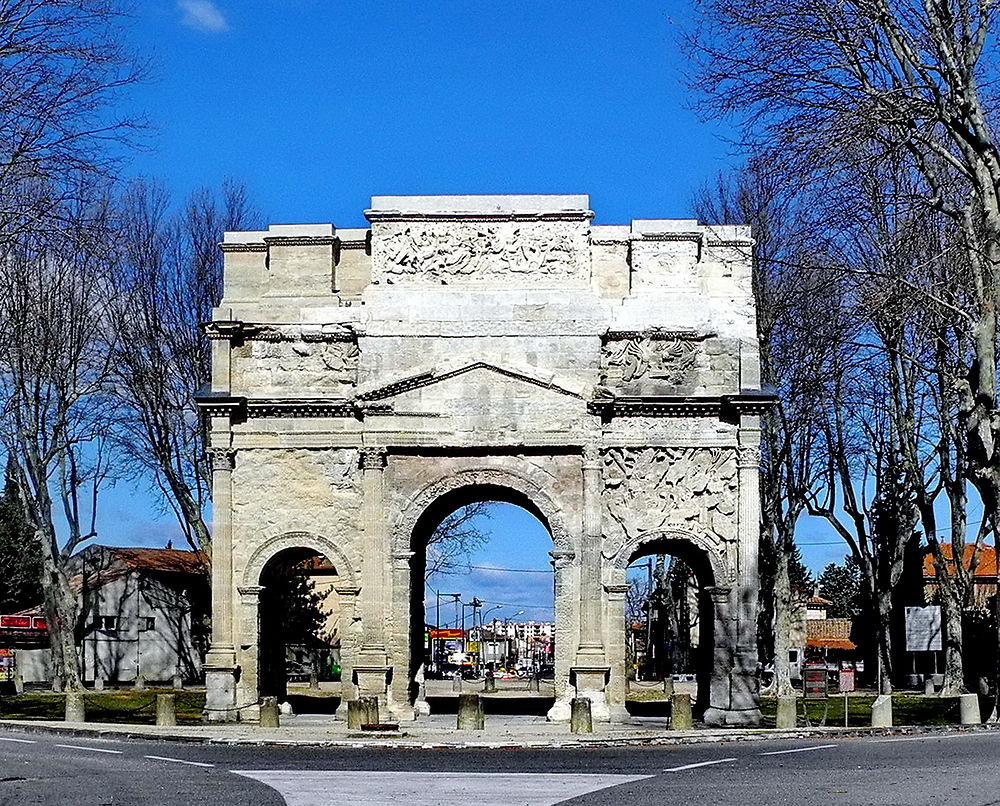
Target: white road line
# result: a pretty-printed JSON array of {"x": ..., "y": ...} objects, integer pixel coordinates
[
  {"x": 180, "y": 761},
  {"x": 19, "y": 741},
  {"x": 89, "y": 749},
  {"x": 699, "y": 764},
  {"x": 934, "y": 736},
  {"x": 799, "y": 750}
]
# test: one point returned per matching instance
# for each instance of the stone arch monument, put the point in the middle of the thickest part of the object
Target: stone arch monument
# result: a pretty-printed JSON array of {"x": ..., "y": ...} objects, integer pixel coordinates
[{"x": 605, "y": 375}]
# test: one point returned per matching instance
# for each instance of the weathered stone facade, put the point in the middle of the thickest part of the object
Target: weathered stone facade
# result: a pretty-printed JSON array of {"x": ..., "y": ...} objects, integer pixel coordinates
[{"x": 500, "y": 347}]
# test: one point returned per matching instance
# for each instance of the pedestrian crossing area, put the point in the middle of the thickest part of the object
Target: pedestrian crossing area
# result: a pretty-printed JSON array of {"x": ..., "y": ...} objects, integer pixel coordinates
[{"x": 381, "y": 788}]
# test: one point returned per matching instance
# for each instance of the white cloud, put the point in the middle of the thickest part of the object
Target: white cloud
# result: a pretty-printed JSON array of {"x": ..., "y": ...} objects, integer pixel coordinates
[{"x": 202, "y": 15}]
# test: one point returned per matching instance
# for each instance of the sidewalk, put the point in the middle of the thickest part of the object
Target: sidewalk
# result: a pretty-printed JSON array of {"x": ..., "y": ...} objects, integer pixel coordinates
[{"x": 439, "y": 732}]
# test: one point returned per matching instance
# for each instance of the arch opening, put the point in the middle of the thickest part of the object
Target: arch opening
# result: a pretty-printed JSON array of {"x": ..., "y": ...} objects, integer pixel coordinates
[
  {"x": 299, "y": 630},
  {"x": 483, "y": 598},
  {"x": 669, "y": 625}
]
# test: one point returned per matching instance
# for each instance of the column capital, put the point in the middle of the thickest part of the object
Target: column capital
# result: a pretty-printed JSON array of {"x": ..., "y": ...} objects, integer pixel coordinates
[
  {"x": 591, "y": 453},
  {"x": 562, "y": 558},
  {"x": 250, "y": 590},
  {"x": 748, "y": 456},
  {"x": 719, "y": 594},
  {"x": 374, "y": 458},
  {"x": 222, "y": 458}
]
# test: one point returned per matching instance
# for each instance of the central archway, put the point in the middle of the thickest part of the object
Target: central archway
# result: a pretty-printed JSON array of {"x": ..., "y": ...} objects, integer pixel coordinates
[{"x": 525, "y": 618}]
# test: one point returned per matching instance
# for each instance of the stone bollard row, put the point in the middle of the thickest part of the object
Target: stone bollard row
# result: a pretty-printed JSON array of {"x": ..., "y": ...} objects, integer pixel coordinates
[
  {"x": 681, "y": 717},
  {"x": 362, "y": 711},
  {"x": 470, "y": 712},
  {"x": 166, "y": 710},
  {"x": 270, "y": 716},
  {"x": 580, "y": 718},
  {"x": 75, "y": 709}
]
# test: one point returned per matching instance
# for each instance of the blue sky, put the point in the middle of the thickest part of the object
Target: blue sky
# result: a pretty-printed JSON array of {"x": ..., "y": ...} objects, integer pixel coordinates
[{"x": 317, "y": 105}]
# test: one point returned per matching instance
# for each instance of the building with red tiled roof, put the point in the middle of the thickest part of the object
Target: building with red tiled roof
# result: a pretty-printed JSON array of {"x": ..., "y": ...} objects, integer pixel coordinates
[
  {"x": 144, "y": 612},
  {"x": 984, "y": 579}
]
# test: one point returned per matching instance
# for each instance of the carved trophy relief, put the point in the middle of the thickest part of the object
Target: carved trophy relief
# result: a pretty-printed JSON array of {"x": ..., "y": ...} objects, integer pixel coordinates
[
  {"x": 646, "y": 489},
  {"x": 478, "y": 251},
  {"x": 642, "y": 358}
]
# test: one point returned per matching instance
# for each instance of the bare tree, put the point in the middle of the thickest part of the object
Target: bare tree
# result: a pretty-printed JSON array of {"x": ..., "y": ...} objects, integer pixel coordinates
[
  {"x": 57, "y": 413},
  {"x": 168, "y": 280},
  {"x": 455, "y": 539},
  {"x": 64, "y": 67}
]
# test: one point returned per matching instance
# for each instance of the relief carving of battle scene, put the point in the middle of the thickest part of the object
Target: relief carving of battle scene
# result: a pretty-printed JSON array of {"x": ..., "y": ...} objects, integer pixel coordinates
[
  {"x": 646, "y": 489},
  {"x": 428, "y": 253}
]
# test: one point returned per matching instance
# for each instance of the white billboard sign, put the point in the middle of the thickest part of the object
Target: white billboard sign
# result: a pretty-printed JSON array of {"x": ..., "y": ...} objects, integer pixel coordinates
[{"x": 923, "y": 629}]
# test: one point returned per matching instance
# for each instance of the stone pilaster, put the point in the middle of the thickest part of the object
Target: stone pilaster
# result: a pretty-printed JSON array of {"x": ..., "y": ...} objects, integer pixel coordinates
[
  {"x": 371, "y": 673},
  {"x": 349, "y": 595},
  {"x": 220, "y": 661},
  {"x": 248, "y": 649},
  {"x": 590, "y": 672},
  {"x": 615, "y": 644},
  {"x": 567, "y": 602}
]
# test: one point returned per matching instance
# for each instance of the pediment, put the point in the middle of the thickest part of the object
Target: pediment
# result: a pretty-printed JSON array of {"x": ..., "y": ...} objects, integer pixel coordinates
[{"x": 387, "y": 391}]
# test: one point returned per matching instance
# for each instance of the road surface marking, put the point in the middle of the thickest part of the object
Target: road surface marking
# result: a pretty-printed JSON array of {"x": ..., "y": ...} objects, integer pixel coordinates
[
  {"x": 180, "y": 761},
  {"x": 89, "y": 749},
  {"x": 699, "y": 764},
  {"x": 799, "y": 750},
  {"x": 930, "y": 736},
  {"x": 384, "y": 788},
  {"x": 19, "y": 741}
]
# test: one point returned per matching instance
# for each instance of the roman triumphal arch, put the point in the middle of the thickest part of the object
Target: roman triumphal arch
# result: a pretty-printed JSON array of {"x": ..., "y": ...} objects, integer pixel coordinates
[{"x": 603, "y": 377}]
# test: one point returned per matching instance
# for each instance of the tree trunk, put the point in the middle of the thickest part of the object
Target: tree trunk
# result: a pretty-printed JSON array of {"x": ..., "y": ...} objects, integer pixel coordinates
[
  {"x": 954, "y": 672},
  {"x": 884, "y": 639},
  {"x": 61, "y": 611},
  {"x": 782, "y": 622}
]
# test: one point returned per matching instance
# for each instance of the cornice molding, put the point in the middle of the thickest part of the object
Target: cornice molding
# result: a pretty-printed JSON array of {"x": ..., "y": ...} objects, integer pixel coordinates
[{"x": 457, "y": 215}]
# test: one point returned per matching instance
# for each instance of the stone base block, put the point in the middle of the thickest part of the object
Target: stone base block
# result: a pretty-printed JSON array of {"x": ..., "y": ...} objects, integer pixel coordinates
[
  {"x": 722, "y": 717},
  {"x": 373, "y": 681},
  {"x": 220, "y": 693},
  {"x": 591, "y": 683}
]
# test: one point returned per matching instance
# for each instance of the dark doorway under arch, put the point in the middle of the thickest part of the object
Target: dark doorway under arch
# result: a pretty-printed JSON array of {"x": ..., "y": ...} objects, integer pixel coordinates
[
  {"x": 669, "y": 622},
  {"x": 297, "y": 636}
]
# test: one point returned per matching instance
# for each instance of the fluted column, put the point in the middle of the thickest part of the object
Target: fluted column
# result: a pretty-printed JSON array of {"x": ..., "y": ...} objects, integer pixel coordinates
[
  {"x": 591, "y": 588},
  {"x": 376, "y": 563},
  {"x": 220, "y": 661}
]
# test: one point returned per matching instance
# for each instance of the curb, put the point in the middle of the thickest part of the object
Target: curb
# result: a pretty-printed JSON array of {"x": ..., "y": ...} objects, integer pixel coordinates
[{"x": 651, "y": 740}]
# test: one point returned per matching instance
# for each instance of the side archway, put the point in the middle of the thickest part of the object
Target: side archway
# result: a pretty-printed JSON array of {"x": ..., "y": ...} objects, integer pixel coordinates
[{"x": 273, "y": 546}]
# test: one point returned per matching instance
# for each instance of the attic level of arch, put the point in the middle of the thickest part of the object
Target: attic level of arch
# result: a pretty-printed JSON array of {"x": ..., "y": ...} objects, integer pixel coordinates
[{"x": 654, "y": 372}]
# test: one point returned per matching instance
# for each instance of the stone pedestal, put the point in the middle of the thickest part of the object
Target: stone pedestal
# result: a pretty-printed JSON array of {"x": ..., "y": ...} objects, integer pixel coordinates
[
  {"x": 373, "y": 681},
  {"x": 220, "y": 689},
  {"x": 591, "y": 682}
]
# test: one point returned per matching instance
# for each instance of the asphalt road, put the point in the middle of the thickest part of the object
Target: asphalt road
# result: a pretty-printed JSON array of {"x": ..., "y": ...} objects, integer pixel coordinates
[{"x": 929, "y": 769}]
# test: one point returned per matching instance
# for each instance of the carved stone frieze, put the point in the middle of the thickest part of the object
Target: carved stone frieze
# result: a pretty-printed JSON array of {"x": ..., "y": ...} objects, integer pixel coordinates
[
  {"x": 646, "y": 489},
  {"x": 665, "y": 360},
  {"x": 441, "y": 252}
]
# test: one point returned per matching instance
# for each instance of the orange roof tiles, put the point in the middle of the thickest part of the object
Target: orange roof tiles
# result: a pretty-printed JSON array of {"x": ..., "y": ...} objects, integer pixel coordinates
[{"x": 987, "y": 566}]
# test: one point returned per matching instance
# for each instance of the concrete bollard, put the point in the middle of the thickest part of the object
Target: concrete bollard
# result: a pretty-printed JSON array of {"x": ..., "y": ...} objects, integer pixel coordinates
[
  {"x": 362, "y": 711},
  {"x": 580, "y": 720},
  {"x": 75, "y": 708},
  {"x": 270, "y": 717},
  {"x": 470, "y": 712},
  {"x": 882, "y": 711},
  {"x": 166, "y": 710},
  {"x": 140, "y": 683},
  {"x": 786, "y": 718},
  {"x": 681, "y": 717},
  {"x": 489, "y": 685},
  {"x": 968, "y": 709},
  {"x": 928, "y": 687},
  {"x": 177, "y": 683},
  {"x": 456, "y": 684}
]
